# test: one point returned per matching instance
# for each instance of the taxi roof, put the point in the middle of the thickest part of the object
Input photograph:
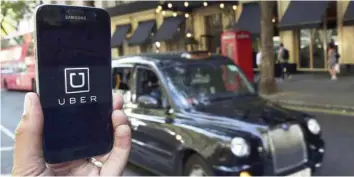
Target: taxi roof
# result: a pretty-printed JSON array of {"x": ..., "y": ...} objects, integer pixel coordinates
[{"x": 174, "y": 58}]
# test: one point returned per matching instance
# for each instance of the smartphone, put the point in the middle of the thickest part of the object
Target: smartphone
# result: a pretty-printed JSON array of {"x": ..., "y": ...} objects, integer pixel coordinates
[{"x": 73, "y": 77}]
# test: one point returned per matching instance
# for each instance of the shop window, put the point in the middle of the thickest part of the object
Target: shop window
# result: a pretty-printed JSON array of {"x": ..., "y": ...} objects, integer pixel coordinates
[
  {"x": 176, "y": 46},
  {"x": 319, "y": 41},
  {"x": 313, "y": 47},
  {"x": 305, "y": 42},
  {"x": 178, "y": 43},
  {"x": 147, "y": 48},
  {"x": 118, "y": 51}
]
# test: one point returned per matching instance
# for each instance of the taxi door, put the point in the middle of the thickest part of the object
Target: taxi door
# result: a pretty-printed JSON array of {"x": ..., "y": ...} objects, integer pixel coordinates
[{"x": 153, "y": 141}]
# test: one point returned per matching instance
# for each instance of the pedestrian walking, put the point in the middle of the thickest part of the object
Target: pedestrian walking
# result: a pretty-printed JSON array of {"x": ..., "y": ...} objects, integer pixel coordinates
[
  {"x": 283, "y": 58},
  {"x": 259, "y": 59},
  {"x": 333, "y": 61}
]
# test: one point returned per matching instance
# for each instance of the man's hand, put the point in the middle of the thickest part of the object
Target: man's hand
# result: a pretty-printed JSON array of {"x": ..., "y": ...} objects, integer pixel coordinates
[{"x": 28, "y": 155}]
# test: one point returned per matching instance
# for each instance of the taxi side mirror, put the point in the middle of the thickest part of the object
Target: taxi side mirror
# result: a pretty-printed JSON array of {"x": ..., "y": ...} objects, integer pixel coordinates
[{"x": 147, "y": 101}]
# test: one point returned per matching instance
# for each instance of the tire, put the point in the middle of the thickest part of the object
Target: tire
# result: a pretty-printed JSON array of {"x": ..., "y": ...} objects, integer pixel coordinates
[
  {"x": 197, "y": 166},
  {"x": 33, "y": 85},
  {"x": 5, "y": 85}
]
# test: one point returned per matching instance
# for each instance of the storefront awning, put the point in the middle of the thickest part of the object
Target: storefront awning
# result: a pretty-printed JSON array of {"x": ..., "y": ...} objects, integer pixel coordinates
[
  {"x": 250, "y": 18},
  {"x": 142, "y": 33},
  {"x": 168, "y": 28},
  {"x": 349, "y": 14},
  {"x": 119, "y": 35},
  {"x": 303, "y": 14},
  {"x": 132, "y": 7}
]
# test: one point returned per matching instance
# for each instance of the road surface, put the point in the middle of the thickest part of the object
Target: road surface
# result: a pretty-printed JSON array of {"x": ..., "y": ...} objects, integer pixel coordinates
[{"x": 338, "y": 133}]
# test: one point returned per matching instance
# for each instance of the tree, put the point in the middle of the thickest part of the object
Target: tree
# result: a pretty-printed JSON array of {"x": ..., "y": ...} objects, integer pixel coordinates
[
  {"x": 89, "y": 3},
  {"x": 12, "y": 12},
  {"x": 267, "y": 82}
]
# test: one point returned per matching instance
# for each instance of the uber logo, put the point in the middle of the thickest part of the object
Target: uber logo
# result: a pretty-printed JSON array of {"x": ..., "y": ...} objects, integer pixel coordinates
[{"x": 77, "y": 80}]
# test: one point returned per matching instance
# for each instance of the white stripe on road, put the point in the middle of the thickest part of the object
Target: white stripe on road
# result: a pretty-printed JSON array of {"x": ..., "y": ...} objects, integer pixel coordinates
[
  {"x": 7, "y": 132},
  {"x": 6, "y": 148}
]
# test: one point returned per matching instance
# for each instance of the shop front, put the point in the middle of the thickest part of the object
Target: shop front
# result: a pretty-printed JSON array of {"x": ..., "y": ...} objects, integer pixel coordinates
[{"x": 306, "y": 29}]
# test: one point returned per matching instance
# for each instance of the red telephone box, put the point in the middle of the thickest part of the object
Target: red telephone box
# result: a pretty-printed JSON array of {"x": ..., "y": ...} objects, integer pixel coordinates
[{"x": 237, "y": 45}]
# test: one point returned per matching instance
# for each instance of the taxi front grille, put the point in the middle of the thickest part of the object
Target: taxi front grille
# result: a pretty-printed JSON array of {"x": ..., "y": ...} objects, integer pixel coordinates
[{"x": 287, "y": 147}]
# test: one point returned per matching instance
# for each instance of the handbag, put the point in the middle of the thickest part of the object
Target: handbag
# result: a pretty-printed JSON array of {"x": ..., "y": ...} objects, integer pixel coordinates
[{"x": 337, "y": 68}]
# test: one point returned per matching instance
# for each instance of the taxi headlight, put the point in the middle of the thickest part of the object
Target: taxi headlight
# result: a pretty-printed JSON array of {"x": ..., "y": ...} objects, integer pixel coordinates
[
  {"x": 240, "y": 147},
  {"x": 313, "y": 126}
]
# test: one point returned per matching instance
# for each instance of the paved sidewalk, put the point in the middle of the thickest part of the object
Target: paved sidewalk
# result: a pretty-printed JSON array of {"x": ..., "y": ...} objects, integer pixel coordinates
[{"x": 316, "y": 91}]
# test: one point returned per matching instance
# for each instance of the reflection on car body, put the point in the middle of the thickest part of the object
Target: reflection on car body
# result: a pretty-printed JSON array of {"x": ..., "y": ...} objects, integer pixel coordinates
[{"x": 203, "y": 117}]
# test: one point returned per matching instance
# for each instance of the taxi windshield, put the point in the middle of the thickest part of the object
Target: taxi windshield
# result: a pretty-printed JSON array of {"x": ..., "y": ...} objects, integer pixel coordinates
[{"x": 200, "y": 82}]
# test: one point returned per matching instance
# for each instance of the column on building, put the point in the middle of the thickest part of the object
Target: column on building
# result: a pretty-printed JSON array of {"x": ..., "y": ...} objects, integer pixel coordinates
[{"x": 345, "y": 18}]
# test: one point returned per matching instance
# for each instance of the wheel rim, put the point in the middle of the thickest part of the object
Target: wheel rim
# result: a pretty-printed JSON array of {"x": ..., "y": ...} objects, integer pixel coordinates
[{"x": 197, "y": 171}]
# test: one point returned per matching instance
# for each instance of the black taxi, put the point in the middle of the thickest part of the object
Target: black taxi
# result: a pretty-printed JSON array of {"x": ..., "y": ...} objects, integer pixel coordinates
[{"x": 196, "y": 114}]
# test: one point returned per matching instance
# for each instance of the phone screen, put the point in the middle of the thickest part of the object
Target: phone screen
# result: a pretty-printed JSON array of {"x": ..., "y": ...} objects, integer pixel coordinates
[{"x": 74, "y": 79}]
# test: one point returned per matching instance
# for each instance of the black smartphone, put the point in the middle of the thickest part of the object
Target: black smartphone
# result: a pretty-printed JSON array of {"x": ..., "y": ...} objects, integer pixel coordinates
[{"x": 73, "y": 75}]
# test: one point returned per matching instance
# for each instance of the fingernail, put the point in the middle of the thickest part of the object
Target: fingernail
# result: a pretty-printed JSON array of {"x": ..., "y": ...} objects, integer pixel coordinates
[{"x": 27, "y": 105}]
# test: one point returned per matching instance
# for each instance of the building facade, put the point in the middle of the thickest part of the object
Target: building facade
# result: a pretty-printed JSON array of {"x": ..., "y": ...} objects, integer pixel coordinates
[{"x": 305, "y": 28}]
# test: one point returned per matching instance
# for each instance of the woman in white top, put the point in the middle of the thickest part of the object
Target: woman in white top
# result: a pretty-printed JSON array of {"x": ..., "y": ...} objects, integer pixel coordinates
[{"x": 258, "y": 59}]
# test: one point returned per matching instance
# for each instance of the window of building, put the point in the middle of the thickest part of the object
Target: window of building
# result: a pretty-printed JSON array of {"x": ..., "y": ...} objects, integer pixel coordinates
[
  {"x": 147, "y": 48},
  {"x": 313, "y": 47},
  {"x": 178, "y": 44},
  {"x": 313, "y": 43},
  {"x": 118, "y": 51},
  {"x": 214, "y": 28}
]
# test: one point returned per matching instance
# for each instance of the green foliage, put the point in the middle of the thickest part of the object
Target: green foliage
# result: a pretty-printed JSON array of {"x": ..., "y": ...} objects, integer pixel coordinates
[{"x": 12, "y": 11}]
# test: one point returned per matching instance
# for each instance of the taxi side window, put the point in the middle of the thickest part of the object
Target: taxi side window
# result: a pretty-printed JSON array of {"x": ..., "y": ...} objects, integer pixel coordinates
[
  {"x": 121, "y": 78},
  {"x": 148, "y": 85}
]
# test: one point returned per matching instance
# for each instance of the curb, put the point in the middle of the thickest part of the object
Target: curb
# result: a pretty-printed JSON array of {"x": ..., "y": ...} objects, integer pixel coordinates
[{"x": 338, "y": 108}]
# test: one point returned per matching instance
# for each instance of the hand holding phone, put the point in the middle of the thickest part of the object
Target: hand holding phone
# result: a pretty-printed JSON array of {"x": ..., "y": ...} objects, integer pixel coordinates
[
  {"x": 28, "y": 154},
  {"x": 73, "y": 77}
]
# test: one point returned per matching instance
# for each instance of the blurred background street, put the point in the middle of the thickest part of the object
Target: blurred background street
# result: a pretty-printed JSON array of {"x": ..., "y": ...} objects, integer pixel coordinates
[
  {"x": 337, "y": 131},
  {"x": 305, "y": 29}
]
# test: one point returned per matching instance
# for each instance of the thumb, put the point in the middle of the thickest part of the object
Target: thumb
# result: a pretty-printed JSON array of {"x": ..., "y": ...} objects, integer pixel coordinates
[{"x": 28, "y": 153}]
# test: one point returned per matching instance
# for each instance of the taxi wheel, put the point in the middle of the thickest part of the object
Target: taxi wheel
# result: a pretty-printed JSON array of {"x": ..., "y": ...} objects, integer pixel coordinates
[
  {"x": 5, "y": 85},
  {"x": 196, "y": 166},
  {"x": 33, "y": 86}
]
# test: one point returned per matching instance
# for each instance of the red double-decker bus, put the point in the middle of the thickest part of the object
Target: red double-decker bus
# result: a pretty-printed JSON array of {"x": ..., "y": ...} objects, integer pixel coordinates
[{"x": 18, "y": 62}]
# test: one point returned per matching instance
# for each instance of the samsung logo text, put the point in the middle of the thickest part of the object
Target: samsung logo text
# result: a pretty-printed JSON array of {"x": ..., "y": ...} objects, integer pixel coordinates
[{"x": 73, "y": 17}]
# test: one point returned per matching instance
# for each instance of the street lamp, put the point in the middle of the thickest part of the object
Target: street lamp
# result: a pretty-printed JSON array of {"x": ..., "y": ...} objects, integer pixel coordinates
[
  {"x": 169, "y": 5},
  {"x": 234, "y": 7},
  {"x": 158, "y": 44}
]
